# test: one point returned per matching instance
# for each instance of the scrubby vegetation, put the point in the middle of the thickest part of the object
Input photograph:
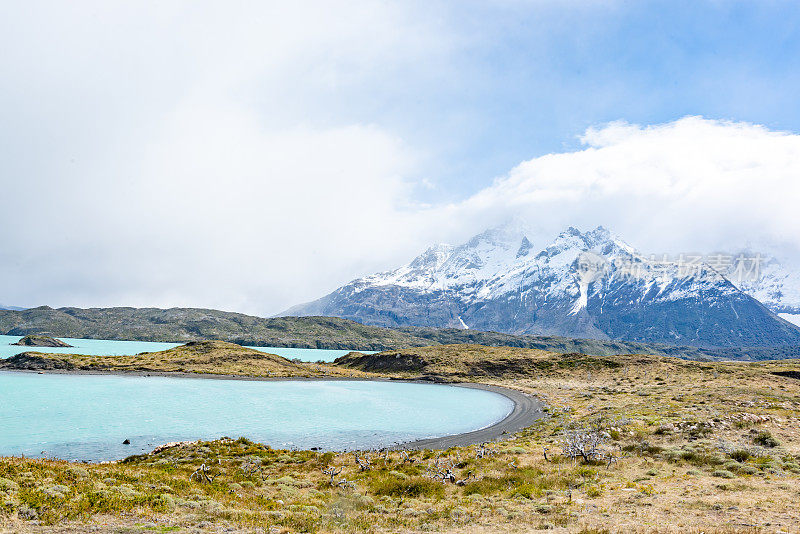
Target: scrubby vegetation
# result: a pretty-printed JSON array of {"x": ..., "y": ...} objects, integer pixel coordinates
[
  {"x": 472, "y": 362},
  {"x": 632, "y": 444}
]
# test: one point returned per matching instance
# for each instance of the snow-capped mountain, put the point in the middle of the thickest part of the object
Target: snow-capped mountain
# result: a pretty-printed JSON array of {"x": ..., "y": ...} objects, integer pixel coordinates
[
  {"x": 582, "y": 284},
  {"x": 775, "y": 286}
]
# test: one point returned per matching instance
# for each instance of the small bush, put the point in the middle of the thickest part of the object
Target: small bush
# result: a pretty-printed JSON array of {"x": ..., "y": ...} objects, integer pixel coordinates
[
  {"x": 722, "y": 473},
  {"x": 529, "y": 491},
  {"x": 526, "y": 482},
  {"x": 58, "y": 491},
  {"x": 765, "y": 439},
  {"x": 643, "y": 448},
  {"x": 76, "y": 473},
  {"x": 8, "y": 486},
  {"x": 27, "y": 512},
  {"x": 701, "y": 458},
  {"x": 163, "y": 502},
  {"x": 740, "y": 455},
  {"x": 411, "y": 487},
  {"x": 593, "y": 491},
  {"x": 732, "y": 466}
]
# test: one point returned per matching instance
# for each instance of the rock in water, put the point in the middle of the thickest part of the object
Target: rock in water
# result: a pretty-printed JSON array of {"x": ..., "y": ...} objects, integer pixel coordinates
[
  {"x": 126, "y": 442},
  {"x": 35, "y": 340}
]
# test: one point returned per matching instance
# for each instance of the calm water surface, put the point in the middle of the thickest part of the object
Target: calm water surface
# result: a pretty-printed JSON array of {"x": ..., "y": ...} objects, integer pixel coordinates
[
  {"x": 101, "y": 347},
  {"x": 86, "y": 417}
]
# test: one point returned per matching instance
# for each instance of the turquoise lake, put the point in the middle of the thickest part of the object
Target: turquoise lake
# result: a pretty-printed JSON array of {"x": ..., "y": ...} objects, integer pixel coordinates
[
  {"x": 87, "y": 417},
  {"x": 100, "y": 347}
]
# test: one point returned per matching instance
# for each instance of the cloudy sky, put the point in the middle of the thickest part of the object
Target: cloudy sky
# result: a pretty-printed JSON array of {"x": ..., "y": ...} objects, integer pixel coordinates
[{"x": 253, "y": 155}]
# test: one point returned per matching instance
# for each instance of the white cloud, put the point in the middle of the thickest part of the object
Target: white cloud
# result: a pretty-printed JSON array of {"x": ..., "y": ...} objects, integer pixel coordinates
[
  {"x": 200, "y": 154},
  {"x": 186, "y": 154},
  {"x": 694, "y": 184}
]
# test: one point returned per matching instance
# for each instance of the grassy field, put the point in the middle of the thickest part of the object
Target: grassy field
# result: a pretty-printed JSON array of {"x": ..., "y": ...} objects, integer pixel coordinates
[{"x": 630, "y": 444}]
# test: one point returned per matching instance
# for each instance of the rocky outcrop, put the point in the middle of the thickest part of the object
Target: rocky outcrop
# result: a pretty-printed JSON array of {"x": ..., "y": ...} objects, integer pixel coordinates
[
  {"x": 40, "y": 341},
  {"x": 34, "y": 361}
]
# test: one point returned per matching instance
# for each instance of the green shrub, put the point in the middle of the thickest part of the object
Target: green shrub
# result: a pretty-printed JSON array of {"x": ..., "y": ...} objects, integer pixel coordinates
[
  {"x": 643, "y": 448},
  {"x": 732, "y": 466},
  {"x": 722, "y": 473},
  {"x": 528, "y": 491},
  {"x": 765, "y": 439},
  {"x": 486, "y": 486},
  {"x": 701, "y": 458},
  {"x": 163, "y": 502},
  {"x": 410, "y": 487},
  {"x": 593, "y": 491},
  {"x": 740, "y": 455},
  {"x": 763, "y": 461},
  {"x": 527, "y": 482},
  {"x": 399, "y": 475}
]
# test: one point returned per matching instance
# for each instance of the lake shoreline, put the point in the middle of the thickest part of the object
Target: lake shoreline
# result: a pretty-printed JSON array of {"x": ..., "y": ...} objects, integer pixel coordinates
[{"x": 526, "y": 411}]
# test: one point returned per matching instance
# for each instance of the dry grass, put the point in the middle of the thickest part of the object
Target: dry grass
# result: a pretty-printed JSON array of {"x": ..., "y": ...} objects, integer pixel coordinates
[{"x": 694, "y": 447}]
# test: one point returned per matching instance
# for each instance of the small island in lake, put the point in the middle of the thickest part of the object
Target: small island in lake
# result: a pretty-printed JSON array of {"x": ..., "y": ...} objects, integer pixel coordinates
[
  {"x": 36, "y": 340},
  {"x": 195, "y": 357}
]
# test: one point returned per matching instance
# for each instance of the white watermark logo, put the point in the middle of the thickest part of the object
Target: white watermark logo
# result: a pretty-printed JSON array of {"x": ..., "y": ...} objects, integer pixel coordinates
[{"x": 737, "y": 268}]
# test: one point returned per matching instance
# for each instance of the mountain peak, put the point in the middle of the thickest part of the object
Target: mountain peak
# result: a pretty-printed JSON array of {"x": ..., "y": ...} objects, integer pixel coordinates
[
  {"x": 583, "y": 284},
  {"x": 433, "y": 257},
  {"x": 509, "y": 233}
]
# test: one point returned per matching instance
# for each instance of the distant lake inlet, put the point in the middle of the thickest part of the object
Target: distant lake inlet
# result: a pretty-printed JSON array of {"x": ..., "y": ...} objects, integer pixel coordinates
[{"x": 105, "y": 347}]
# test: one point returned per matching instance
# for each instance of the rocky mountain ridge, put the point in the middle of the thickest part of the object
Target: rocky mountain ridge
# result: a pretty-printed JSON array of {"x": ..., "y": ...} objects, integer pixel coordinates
[{"x": 582, "y": 284}]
